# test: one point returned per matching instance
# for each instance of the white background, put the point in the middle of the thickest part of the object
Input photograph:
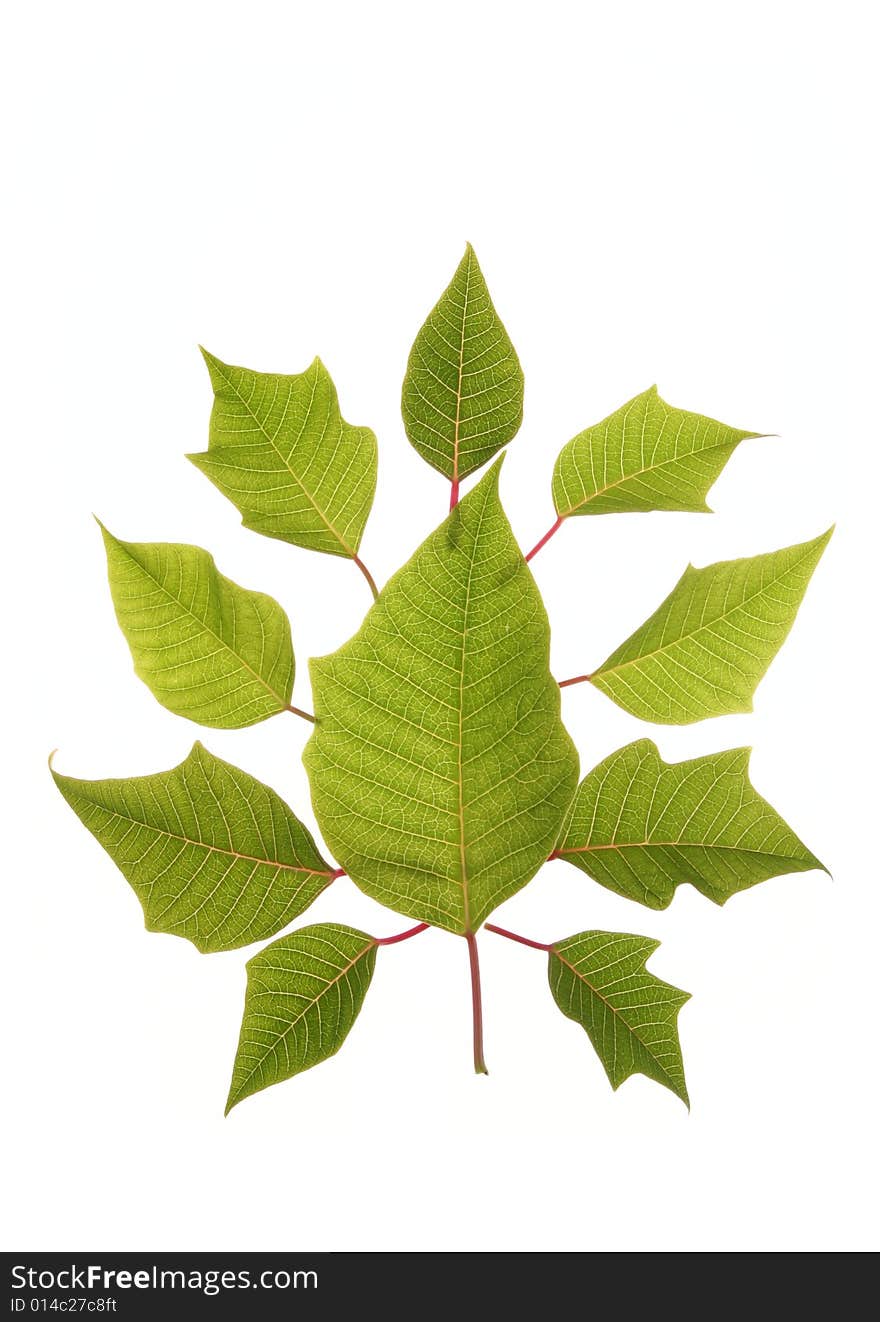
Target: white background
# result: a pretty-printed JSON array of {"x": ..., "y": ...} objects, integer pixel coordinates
[{"x": 679, "y": 193}]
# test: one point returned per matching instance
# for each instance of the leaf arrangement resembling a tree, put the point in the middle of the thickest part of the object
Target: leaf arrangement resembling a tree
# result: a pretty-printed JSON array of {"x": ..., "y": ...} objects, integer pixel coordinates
[{"x": 441, "y": 773}]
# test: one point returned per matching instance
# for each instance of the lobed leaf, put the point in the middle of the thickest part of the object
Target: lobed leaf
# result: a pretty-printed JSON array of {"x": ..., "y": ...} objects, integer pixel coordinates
[
  {"x": 304, "y": 992},
  {"x": 599, "y": 979},
  {"x": 280, "y": 450},
  {"x": 705, "y": 649},
  {"x": 645, "y": 456},
  {"x": 463, "y": 390},
  {"x": 212, "y": 854},
  {"x": 642, "y": 826},
  {"x": 439, "y": 767},
  {"x": 206, "y": 648}
]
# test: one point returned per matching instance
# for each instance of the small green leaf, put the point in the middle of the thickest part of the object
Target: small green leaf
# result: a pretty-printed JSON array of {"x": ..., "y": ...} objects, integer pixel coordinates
[
  {"x": 599, "y": 979},
  {"x": 646, "y": 456},
  {"x": 280, "y": 450},
  {"x": 440, "y": 769},
  {"x": 463, "y": 390},
  {"x": 642, "y": 826},
  {"x": 212, "y": 854},
  {"x": 705, "y": 649},
  {"x": 304, "y": 992},
  {"x": 206, "y": 648}
]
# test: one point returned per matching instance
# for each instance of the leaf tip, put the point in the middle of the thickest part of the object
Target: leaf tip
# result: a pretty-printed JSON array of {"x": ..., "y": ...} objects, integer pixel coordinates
[
  {"x": 51, "y": 759},
  {"x": 470, "y": 261},
  {"x": 109, "y": 539}
]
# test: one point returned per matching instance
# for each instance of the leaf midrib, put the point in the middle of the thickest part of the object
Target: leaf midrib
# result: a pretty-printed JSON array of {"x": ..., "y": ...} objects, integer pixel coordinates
[
  {"x": 639, "y": 472},
  {"x": 458, "y": 388},
  {"x": 350, "y": 552},
  {"x": 617, "y": 1013},
  {"x": 191, "y": 613},
  {"x": 372, "y": 942},
  {"x": 201, "y": 844},
  {"x": 676, "y": 844},
  {"x": 703, "y": 625},
  {"x": 460, "y": 750}
]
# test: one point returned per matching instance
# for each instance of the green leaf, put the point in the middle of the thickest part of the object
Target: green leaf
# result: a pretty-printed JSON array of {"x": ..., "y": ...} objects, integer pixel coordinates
[
  {"x": 206, "y": 648},
  {"x": 642, "y": 826},
  {"x": 304, "y": 992},
  {"x": 463, "y": 390},
  {"x": 212, "y": 854},
  {"x": 440, "y": 769},
  {"x": 646, "y": 456},
  {"x": 279, "y": 448},
  {"x": 599, "y": 979},
  {"x": 705, "y": 649}
]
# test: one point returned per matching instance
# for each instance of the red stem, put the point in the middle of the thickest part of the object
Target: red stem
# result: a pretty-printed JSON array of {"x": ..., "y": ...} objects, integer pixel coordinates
[
  {"x": 367, "y": 575},
  {"x": 512, "y": 936},
  {"x": 477, "y": 1000},
  {"x": 453, "y": 494},
  {"x": 306, "y": 715},
  {"x": 338, "y": 872},
  {"x": 578, "y": 679},
  {"x": 545, "y": 539},
  {"x": 402, "y": 936}
]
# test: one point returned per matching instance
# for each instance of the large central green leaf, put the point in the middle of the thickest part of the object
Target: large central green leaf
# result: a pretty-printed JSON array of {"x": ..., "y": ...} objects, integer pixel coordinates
[{"x": 439, "y": 766}]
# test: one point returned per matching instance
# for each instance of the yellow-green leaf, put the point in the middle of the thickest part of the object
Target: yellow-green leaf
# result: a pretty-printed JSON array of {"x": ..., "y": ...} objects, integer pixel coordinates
[
  {"x": 206, "y": 648},
  {"x": 463, "y": 390},
  {"x": 440, "y": 769},
  {"x": 705, "y": 649},
  {"x": 280, "y": 450},
  {"x": 645, "y": 456},
  {"x": 304, "y": 992},
  {"x": 642, "y": 826},
  {"x": 212, "y": 854},
  {"x": 599, "y": 980}
]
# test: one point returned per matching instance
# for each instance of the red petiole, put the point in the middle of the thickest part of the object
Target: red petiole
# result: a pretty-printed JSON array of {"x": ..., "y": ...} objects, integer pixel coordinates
[
  {"x": 512, "y": 936},
  {"x": 545, "y": 539},
  {"x": 402, "y": 936}
]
